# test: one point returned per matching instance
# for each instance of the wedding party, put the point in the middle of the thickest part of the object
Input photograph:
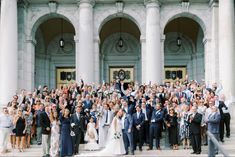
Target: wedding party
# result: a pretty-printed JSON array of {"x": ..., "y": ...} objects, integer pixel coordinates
[{"x": 113, "y": 119}]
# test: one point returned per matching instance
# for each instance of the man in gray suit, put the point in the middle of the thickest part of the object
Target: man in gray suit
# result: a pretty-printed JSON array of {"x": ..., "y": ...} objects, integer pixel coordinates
[
  {"x": 104, "y": 123},
  {"x": 213, "y": 122},
  {"x": 127, "y": 131}
]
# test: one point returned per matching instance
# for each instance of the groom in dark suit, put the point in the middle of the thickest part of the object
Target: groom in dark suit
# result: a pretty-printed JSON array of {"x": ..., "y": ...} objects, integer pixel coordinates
[
  {"x": 45, "y": 123},
  {"x": 138, "y": 125},
  {"x": 127, "y": 131},
  {"x": 195, "y": 129},
  {"x": 77, "y": 127}
]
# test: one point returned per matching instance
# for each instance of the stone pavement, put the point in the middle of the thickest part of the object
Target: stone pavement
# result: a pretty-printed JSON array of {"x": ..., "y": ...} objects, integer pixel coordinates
[{"x": 36, "y": 151}]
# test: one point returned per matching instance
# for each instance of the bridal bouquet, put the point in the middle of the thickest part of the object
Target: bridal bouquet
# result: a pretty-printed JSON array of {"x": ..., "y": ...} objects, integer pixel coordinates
[{"x": 117, "y": 135}]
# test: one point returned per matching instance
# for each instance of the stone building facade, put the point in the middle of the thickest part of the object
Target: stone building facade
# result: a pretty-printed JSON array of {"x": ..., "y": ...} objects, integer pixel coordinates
[{"x": 150, "y": 30}]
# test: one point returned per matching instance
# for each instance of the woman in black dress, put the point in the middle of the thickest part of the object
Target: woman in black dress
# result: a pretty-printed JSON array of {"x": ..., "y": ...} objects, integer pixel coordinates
[
  {"x": 171, "y": 122},
  {"x": 20, "y": 130},
  {"x": 66, "y": 139}
]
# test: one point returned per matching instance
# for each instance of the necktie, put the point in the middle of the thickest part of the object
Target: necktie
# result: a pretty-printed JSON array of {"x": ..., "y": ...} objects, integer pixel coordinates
[
  {"x": 106, "y": 120},
  {"x": 78, "y": 116}
]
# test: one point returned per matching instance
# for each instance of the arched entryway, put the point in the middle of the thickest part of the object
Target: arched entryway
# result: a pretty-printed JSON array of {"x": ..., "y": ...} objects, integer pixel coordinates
[
  {"x": 184, "y": 50},
  {"x": 120, "y": 54},
  {"x": 55, "y": 53}
]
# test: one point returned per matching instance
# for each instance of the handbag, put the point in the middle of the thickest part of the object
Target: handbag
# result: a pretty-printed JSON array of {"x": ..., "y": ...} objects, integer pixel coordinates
[{"x": 14, "y": 130}]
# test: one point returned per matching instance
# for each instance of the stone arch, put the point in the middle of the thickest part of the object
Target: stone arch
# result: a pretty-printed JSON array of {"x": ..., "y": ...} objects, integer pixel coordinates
[
  {"x": 138, "y": 16},
  {"x": 113, "y": 16},
  {"x": 188, "y": 15},
  {"x": 187, "y": 43},
  {"x": 46, "y": 17},
  {"x": 133, "y": 45}
]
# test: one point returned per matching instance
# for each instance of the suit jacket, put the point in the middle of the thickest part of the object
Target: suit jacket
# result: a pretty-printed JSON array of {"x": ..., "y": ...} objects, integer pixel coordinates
[
  {"x": 195, "y": 125},
  {"x": 45, "y": 122},
  {"x": 128, "y": 122},
  {"x": 214, "y": 123},
  {"x": 148, "y": 114},
  {"x": 138, "y": 121},
  {"x": 157, "y": 117},
  {"x": 221, "y": 107},
  {"x": 87, "y": 104},
  {"x": 32, "y": 101},
  {"x": 78, "y": 128},
  {"x": 103, "y": 118}
]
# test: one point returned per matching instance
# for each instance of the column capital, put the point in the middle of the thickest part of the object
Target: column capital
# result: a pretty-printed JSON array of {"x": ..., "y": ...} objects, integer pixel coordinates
[
  {"x": 206, "y": 40},
  {"x": 76, "y": 38},
  {"x": 97, "y": 39},
  {"x": 152, "y": 3},
  {"x": 31, "y": 40},
  {"x": 142, "y": 38},
  {"x": 163, "y": 37},
  {"x": 91, "y": 2}
]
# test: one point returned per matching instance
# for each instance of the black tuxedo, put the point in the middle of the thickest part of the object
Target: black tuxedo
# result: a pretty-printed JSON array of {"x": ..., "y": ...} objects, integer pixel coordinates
[
  {"x": 138, "y": 133},
  {"x": 225, "y": 120},
  {"x": 195, "y": 130},
  {"x": 78, "y": 129},
  {"x": 146, "y": 125},
  {"x": 44, "y": 123}
]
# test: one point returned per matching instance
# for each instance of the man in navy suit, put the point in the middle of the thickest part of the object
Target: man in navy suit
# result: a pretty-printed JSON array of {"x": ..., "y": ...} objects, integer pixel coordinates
[
  {"x": 138, "y": 124},
  {"x": 87, "y": 102},
  {"x": 127, "y": 131},
  {"x": 213, "y": 122},
  {"x": 147, "y": 117},
  {"x": 156, "y": 127},
  {"x": 77, "y": 125}
]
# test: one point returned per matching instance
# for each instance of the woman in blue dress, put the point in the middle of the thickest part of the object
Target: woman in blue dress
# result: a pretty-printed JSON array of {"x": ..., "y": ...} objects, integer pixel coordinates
[{"x": 66, "y": 139}]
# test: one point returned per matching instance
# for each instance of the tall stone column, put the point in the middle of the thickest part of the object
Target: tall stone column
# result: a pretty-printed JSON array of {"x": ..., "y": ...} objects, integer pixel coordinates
[
  {"x": 153, "y": 44},
  {"x": 163, "y": 37},
  {"x": 208, "y": 60},
  {"x": 97, "y": 59},
  {"x": 85, "y": 53},
  {"x": 8, "y": 51},
  {"x": 214, "y": 40},
  {"x": 227, "y": 47},
  {"x": 143, "y": 56},
  {"x": 30, "y": 63}
]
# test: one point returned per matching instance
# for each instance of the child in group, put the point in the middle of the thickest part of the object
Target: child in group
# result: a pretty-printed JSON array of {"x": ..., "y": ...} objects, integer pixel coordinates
[{"x": 91, "y": 136}]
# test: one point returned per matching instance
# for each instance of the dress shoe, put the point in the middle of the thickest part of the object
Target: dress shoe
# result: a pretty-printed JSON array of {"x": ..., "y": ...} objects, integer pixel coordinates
[
  {"x": 198, "y": 152},
  {"x": 126, "y": 153},
  {"x": 193, "y": 153},
  {"x": 228, "y": 136},
  {"x": 149, "y": 148},
  {"x": 222, "y": 140}
]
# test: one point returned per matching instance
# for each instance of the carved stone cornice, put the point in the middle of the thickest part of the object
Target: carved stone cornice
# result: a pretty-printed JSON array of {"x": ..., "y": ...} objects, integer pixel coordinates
[
  {"x": 152, "y": 3},
  {"x": 91, "y": 2}
]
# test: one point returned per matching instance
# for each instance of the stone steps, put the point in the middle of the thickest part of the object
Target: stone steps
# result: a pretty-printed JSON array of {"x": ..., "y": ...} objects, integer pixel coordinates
[{"x": 228, "y": 145}]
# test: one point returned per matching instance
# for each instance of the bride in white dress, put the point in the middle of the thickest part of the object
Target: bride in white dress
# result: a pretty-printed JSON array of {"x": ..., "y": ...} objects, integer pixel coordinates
[{"x": 114, "y": 145}]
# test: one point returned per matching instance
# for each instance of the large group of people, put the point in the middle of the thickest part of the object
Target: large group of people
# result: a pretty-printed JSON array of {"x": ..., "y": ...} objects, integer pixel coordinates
[{"x": 115, "y": 118}]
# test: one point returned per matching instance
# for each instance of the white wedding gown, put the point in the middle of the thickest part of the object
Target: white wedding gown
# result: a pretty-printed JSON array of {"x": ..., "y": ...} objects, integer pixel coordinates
[{"x": 114, "y": 146}]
